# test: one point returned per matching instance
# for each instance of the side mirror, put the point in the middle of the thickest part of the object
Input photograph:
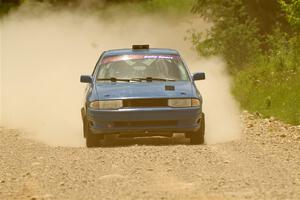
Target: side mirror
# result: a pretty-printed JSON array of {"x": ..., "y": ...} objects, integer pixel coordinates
[
  {"x": 198, "y": 76},
  {"x": 86, "y": 79}
]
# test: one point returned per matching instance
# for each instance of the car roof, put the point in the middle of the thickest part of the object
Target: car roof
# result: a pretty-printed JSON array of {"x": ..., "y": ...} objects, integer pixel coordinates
[{"x": 161, "y": 51}]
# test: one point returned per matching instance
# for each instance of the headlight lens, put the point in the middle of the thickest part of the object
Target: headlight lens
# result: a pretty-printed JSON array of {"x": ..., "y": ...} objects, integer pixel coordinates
[
  {"x": 182, "y": 103},
  {"x": 106, "y": 105}
]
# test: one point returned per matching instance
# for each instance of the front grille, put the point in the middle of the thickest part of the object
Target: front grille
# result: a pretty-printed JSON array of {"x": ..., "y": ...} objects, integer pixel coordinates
[
  {"x": 144, "y": 123},
  {"x": 134, "y": 103}
]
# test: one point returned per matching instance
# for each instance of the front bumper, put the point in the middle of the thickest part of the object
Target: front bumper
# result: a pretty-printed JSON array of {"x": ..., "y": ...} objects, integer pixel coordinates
[{"x": 144, "y": 120}]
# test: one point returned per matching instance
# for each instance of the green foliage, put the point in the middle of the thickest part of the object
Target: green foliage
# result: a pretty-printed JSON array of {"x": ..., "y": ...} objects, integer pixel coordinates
[
  {"x": 240, "y": 29},
  {"x": 6, "y": 5},
  {"x": 238, "y": 44},
  {"x": 271, "y": 86},
  {"x": 268, "y": 14},
  {"x": 292, "y": 12},
  {"x": 234, "y": 34},
  {"x": 284, "y": 51},
  {"x": 269, "y": 91},
  {"x": 260, "y": 41}
]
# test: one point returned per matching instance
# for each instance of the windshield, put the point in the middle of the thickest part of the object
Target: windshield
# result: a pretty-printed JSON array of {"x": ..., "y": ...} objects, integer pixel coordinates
[{"x": 142, "y": 68}]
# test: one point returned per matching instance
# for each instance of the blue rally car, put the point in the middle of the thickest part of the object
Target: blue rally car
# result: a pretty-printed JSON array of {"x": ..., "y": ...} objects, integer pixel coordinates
[{"x": 139, "y": 92}]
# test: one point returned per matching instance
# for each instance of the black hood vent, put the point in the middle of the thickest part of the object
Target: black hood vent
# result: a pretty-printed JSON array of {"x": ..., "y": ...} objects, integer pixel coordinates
[{"x": 170, "y": 87}]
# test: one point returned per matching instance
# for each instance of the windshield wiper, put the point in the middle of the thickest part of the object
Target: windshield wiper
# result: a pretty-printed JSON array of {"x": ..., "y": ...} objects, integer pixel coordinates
[
  {"x": 113, "y": 79},
  {"x": 150, "y": 79}
]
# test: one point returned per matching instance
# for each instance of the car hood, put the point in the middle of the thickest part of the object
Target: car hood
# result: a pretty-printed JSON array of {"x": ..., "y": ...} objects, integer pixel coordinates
[{"x": 120, "y": 90}]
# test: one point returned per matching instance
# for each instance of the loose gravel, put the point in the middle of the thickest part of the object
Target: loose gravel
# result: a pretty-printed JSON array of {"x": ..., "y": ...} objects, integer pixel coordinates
[{"x": 263, "y": 164}]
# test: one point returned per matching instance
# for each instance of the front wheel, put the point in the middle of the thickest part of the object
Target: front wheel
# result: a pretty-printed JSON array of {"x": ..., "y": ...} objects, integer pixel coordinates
[
  {"x": 198, "y": 136},
  {"x": 90, "y": 139}
]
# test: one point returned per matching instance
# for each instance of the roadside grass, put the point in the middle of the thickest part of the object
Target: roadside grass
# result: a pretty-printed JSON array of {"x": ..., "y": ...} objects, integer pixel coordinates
[
  {"x": 270, "y": 91},
  {"x": 271, "y": 86}
]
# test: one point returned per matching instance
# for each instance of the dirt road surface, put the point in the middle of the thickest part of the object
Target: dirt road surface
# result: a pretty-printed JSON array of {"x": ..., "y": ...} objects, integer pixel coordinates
[{"x": 263, "y": 164}]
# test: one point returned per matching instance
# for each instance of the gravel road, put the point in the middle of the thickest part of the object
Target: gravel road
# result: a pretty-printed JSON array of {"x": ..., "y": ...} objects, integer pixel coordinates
[{"x": 263, "y": 164}]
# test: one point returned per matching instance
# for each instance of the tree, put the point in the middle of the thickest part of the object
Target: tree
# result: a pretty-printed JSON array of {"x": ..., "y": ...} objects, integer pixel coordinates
[
  {"x": 241, "y": 28},
  {"x": 234, "y": 34}
]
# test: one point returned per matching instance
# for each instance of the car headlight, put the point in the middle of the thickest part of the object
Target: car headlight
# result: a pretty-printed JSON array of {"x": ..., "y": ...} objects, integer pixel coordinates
[
  {"x": 106, "y": 105},
  {"x": 182, "y": 103}
]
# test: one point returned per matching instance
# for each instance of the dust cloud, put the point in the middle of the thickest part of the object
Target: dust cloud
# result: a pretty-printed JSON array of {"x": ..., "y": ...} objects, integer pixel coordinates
[{"x": 43, "y": 57}]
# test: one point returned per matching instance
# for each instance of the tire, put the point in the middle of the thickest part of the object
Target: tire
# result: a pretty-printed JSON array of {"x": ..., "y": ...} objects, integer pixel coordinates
[
  {"x": 110, "y": 139},
  {"x": 90, "y": 139},
  {"x": 198, "y": 136}
]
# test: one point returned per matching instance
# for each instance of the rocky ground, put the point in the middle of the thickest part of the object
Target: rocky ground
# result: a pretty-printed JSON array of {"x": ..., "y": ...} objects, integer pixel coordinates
[{"x": 263, "y": 164}]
